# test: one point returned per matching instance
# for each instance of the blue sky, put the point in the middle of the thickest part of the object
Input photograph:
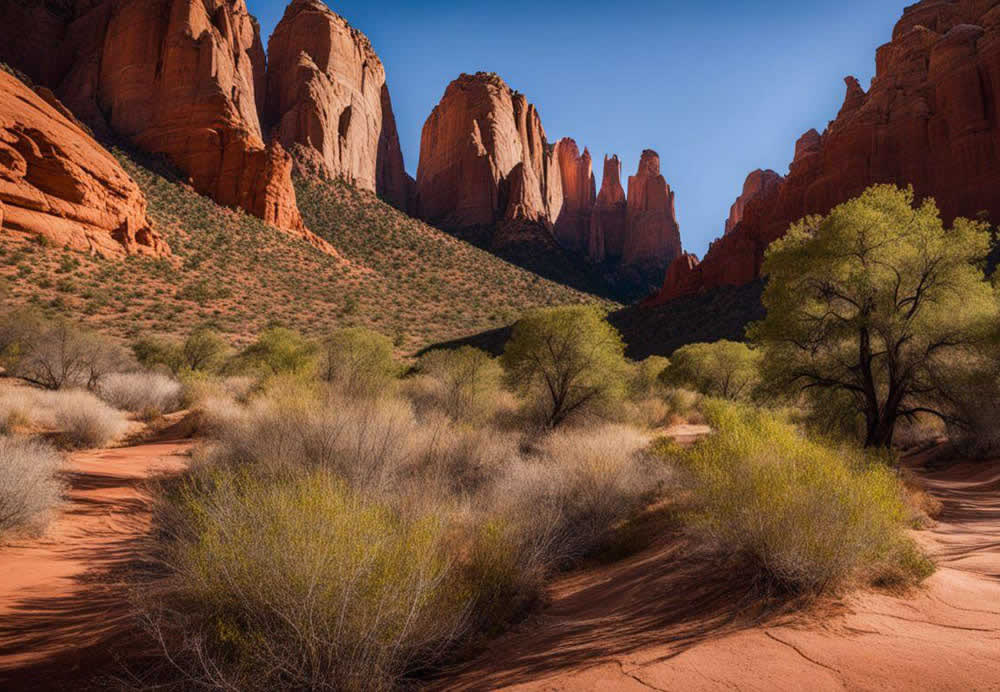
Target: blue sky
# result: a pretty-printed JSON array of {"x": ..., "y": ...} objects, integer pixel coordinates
[{"x": 718, "y": 89}]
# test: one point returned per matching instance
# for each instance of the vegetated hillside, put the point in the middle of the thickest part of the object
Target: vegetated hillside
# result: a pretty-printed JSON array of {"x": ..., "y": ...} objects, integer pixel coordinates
[
  {"x": 229, "y": 269},
  {"x": 719, "y": 313}
]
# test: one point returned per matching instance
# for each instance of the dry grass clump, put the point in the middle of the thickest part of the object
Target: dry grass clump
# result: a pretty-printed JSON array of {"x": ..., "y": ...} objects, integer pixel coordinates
[
  {"x": 78, "y": 417},
  {"x": 580, "y": 483},
  {"x": 28, "y": 484},
  {"x": 146, "y": 393},
  {"x": 808, "y": 516}
]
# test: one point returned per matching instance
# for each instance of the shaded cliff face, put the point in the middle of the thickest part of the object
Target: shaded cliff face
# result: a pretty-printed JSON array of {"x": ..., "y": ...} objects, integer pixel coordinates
[
  {"x": 652, "y": 236},
  {"x": 58, "y": 183},
  {"x": 928, "y": 120},
  {"x": 484, "y": 158},
  {"x": 328, "y": 103},
  {"x": 608, "y": 219},
  {"x": 572, "y": 225}
]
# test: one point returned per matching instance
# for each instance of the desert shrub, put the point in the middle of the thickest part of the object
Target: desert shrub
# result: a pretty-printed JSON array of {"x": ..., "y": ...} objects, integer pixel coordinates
[
  {"x": 77, "y": 416},
  {"x": 141, "y": 392},
  {"x": 807, "y": 516},
  {"x": 723, "y": 369},
  {"x": 644, "y": 378},
  {"x": 278, "y": 351},
  {"x": 564, "y": 500},
  {"x": 28, "y": 483},
  {"x": 568, "y": 362},
  {"x": 56, "y": 353},
  {"x": 358, "y": 361},
  {"x": 302, "y": 584},
  {"x": 83, "y": 420},
  {"x": 203, "y": 350},
  {"x": 468, "y": 381},
  {"x": 153, "y": 353}
]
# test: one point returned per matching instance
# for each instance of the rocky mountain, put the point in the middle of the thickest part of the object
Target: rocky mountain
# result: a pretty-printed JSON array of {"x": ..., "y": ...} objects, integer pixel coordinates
[
  {"x": 486, "y": 164},
  {"x": 188, "y": 79},
  {"x": 927, "y": 120},
  {"x": 56, "y": 182},
  {"x": 328, "y": 103}
]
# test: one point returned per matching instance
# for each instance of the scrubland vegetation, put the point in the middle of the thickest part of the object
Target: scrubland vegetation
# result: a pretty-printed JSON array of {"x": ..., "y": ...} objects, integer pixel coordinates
[{"x": 352, "y": 521}]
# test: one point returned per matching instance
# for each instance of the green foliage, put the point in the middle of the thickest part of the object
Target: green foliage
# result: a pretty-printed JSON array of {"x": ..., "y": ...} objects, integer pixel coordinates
[
  {"x": 358, "y": 360},
  {"x": 279, "y": 351},
  {"x": 569, "y": 361},
  {"x": 644, "y": 380},
  {"x": 303, "y": 583},
  {"x": 875, "y": 301},
  {"x": 469, "y": 379},
  {"x": 724, "y": 369},
  {"x": 203, "y": 350},
  {"x": 809, "y": 516}
]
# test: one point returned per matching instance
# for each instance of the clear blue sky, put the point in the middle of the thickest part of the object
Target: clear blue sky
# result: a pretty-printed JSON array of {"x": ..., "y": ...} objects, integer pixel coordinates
[{"x": 717, "y": 88}]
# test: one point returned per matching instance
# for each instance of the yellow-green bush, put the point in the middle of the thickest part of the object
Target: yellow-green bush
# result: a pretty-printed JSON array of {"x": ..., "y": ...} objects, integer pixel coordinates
[
  {"x": 303, "y": 584},
  {"x": 809, "y": 516}
]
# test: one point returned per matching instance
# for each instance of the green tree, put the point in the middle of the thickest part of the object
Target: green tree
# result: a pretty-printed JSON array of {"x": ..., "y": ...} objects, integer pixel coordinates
[
  {"x": 873, "y": 303},
  {"x": 204, "y": 349},
  {"x": 724, "y": 369},
  {"x": 280, "y": 351},
  {"x": 358, "y": 360},
  {"x": 568, "y": 359},
  {"x": 467, "y": 375}
]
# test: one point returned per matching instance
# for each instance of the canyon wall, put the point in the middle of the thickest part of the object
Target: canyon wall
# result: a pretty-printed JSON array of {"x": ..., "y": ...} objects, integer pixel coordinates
[
  {"x": 328, "y": 103},
  {"x": 928, "y": 120},
  {"x": 485, "y": 159},
  {"x": 56, "y": 182},
  {"x": 188, "y": 79}
]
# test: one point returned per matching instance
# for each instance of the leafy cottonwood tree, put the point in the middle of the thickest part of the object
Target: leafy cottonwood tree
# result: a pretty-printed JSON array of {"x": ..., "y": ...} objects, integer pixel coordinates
[
  {"x": 874, "y": 303},
  {"x": 724, "y": 369},
  {"x": 569, "y": 358}
]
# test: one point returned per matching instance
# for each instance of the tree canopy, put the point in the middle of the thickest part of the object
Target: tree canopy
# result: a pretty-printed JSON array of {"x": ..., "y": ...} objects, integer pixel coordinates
[
  {"x": 724, "y": 369},
  {"x": 569, "y": 358},
  {"x": 873, "y": 304}
]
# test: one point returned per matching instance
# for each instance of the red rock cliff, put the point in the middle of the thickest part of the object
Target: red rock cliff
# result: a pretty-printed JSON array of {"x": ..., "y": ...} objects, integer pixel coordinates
[
  {"x": 58, "y": 183},
  {"x": 182, "y": 78},
  {"x": 328, "y": 103},
  {"x": 484, "y": 158},
  {"x": 572, "y": 225},
  {"x": 652, "y": 236},
  {"x": 928, "y": 120},
  {"x": 608, "y": 219}
]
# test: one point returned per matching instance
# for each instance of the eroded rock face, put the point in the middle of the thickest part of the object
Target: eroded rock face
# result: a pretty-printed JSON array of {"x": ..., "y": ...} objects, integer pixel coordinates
[
  {"x": 572, "y": 225},
  {"x": 176, "y": 77},
  {"x": 471, "y": 144},
  {"x": 608, "y": 219},
  {"x": 58, "y": 183},
  {"x": 652, "y": 235},
  {"x": 928, "y": 120},
  {"x": 757, "y": 184},
  {"x": 328, "y": 103}
]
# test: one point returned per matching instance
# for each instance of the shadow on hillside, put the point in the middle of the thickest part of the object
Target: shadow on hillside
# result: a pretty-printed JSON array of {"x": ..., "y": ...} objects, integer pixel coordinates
[{"x": 721, "y": 313}]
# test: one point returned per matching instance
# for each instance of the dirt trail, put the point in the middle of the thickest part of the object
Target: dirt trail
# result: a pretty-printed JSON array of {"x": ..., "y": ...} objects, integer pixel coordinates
[
  {"x": 662, "y": 621},
  {"x": 60, "y": 606}
]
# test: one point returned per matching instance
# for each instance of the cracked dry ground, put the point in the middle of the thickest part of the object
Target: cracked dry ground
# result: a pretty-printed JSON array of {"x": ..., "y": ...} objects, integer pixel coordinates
[{"x": 668, "y": 620}]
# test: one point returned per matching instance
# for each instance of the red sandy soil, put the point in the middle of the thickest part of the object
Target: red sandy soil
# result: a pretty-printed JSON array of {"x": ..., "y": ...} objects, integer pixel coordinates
[
  {"x": 669, "y": 620},
  {"x": 62, "y": 604}
]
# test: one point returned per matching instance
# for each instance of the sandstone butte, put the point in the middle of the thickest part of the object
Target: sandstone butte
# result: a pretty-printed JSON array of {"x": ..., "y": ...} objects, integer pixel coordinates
[
  {"x": 58, "y": 183},
  {"x": 328, "y": 103},
  {"x": 485, "y": 159},
  {"x": 927, "y": 120},
  {"x": 188, "y": 79}
]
